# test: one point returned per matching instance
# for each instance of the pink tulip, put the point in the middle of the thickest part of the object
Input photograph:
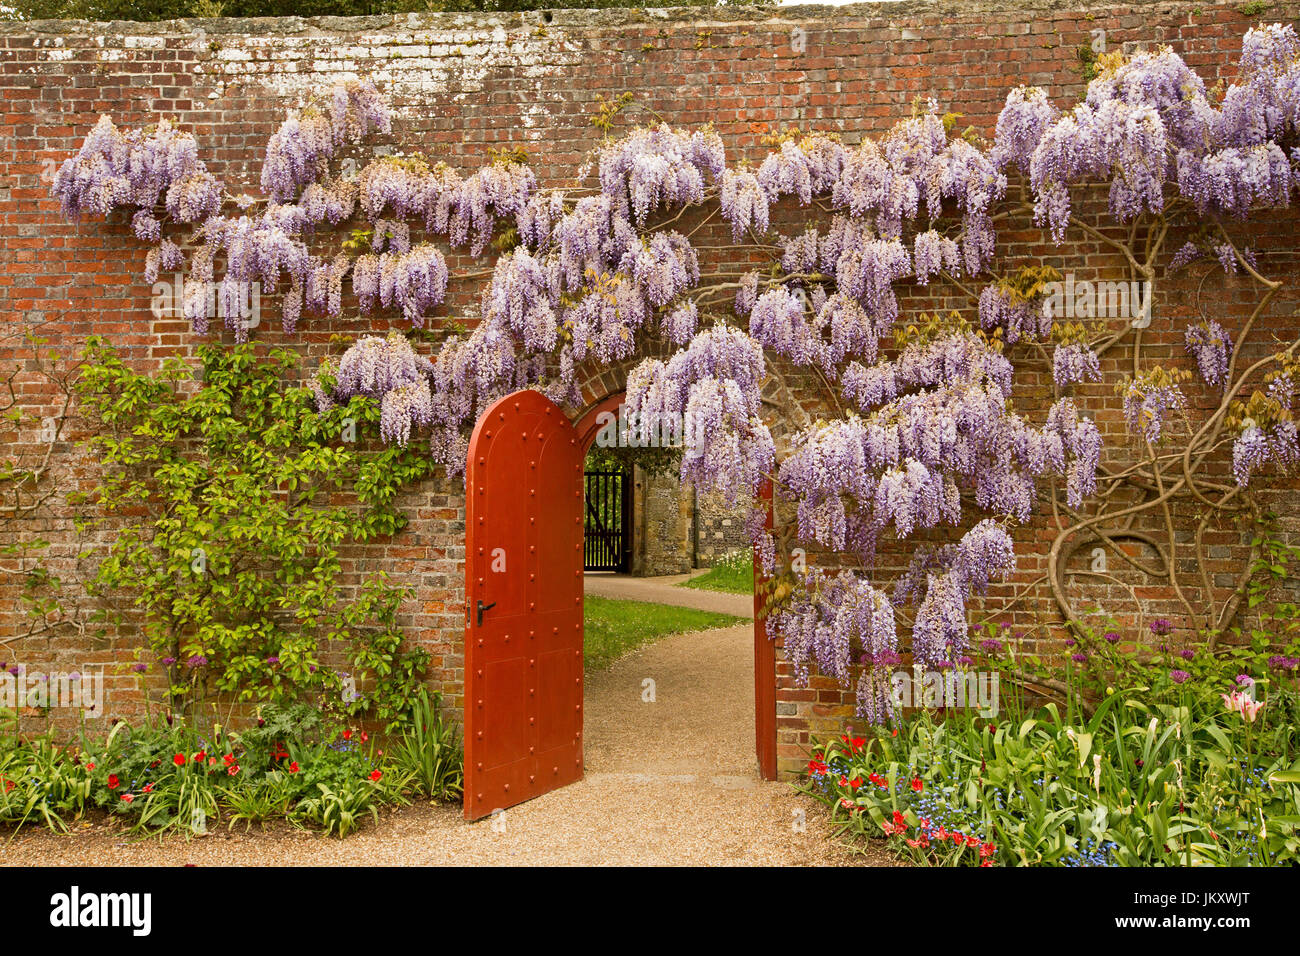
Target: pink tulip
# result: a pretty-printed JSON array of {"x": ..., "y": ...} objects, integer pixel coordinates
[{"x": 1239, "y": 703}]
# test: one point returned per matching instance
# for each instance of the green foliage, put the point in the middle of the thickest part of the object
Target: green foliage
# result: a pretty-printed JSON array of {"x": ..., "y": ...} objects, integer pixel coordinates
[
  {"x": 429, "y": 751},
  {"x": 168, "y": 776},
  {"x": 733, "y": 574},
  {"x": 1136, "y": 784},
  {"x": 230, "y": 500},
  {"x": 38, "y": 784},
  {"x": 1088, "y": 68},
  {"x": 653, "y": 461},
  {"x": 614, "y": 628}
]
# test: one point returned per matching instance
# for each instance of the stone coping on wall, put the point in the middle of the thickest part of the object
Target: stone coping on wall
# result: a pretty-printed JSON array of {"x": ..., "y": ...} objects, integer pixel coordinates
[{"x": 896, "y": 12}]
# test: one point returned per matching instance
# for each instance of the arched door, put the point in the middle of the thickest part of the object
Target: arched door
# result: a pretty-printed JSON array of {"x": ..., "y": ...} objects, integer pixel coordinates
[{"x": 523, "y": 594}]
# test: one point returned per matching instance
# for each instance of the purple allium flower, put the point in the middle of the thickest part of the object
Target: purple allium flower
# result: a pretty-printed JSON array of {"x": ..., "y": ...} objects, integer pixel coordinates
[
  {"x": 1079, "y": 657},
  {"x": 168, "y": 661},
  {"x": 1112, "y": 637},
  {"x": 1187, "y": 653},
  {"x": 1161, "y": 626},
  {"x": 1244, "y": 680},
  {"x": 1070, "y": 642},
  {"x": 1283, "y": 663},
  {"x": 887, "y": 658},
  {"x": 140, "y": 668},
  {"x": 198, "y": 660},
  {"x": 991, "y": 646},
  {"x": 1178, "y": 676},
  {"x": 16, "y": 669},
  {"x": 966, "y": 661},
  {"x": 273, "y": 660}
]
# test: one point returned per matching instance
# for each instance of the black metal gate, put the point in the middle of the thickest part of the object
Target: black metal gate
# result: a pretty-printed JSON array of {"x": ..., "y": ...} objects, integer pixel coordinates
[{"x": 607, "y": 529}]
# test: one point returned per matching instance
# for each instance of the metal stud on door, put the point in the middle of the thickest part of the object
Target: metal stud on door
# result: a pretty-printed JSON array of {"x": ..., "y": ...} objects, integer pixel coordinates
[{"x": 523, "y": 611}]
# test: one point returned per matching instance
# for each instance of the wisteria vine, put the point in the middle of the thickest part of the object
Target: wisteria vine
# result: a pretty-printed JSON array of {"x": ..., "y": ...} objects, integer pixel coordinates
[{"x": 927, "y": 433}]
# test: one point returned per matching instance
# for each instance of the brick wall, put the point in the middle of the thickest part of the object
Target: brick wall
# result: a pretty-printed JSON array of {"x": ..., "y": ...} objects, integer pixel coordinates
[{"x": 464, "y": 84}]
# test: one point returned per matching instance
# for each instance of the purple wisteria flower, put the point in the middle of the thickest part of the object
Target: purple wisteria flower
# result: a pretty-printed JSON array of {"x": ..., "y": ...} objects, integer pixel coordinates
[
  {"x": 1211, "y": 346},
  {"x": 1075, "y": 362}
]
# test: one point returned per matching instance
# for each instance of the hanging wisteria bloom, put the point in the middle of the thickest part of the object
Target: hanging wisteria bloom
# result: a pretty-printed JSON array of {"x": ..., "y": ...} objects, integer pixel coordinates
[
  {"x": 1148, "y": 400},
  {"x": 404, "y": 408},
  {"x": 743, "y": 203},
  {"x": 136, "y": 169},
  {"x": 933, "y": 253},
  {"x": 804, "y": 168},
  {"x": 1021, "y": 124},
  {"x": 1001, "y": 307},
  {"x": 299, "y": 152},
  {"x": 1257, "y": 446},
  {"x": 1209, "y": 343},
  {"x": 374, "y": 366},
  {"x": 711, "y": 390},
  {"x": 779, "y": 321},
  {"x": 1074, "y": 362},
  {"x": 660, "y": 167},
  {"x": 830, "y": 616}
]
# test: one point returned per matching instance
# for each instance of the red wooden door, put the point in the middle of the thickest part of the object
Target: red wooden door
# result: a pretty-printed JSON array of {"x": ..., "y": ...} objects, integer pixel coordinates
[{"x": 523, "y": 592}]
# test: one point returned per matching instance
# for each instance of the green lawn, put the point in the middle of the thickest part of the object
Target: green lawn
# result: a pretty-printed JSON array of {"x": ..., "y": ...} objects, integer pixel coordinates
[
  {"x": 613, "y": 628},
  {"x": 733, "y": 574}
]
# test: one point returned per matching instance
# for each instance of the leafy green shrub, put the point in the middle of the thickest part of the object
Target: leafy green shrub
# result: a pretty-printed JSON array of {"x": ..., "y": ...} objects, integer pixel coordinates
[
  {"x": 224, "y": 497},
  {"x": 429, "y": 751}
]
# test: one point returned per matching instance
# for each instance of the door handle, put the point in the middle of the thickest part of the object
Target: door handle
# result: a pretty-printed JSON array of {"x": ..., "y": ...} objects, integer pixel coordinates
[{"x": 484, "y": 607}]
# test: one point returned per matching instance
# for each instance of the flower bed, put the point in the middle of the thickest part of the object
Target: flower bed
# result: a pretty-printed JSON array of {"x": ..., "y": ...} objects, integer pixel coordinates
[
  {"x": 1202, "y": 776},
  {"x": 171, "y": 777}
]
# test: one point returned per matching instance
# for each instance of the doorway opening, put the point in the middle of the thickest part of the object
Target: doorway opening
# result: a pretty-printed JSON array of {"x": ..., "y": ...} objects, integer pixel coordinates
[{"x": 525, "y": 556}]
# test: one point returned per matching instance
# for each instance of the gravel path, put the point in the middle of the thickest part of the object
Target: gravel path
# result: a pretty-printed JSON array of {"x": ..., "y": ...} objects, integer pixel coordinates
[
  {"x": 663, "y": 589},
  {"x": 668, "y": 782}
]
